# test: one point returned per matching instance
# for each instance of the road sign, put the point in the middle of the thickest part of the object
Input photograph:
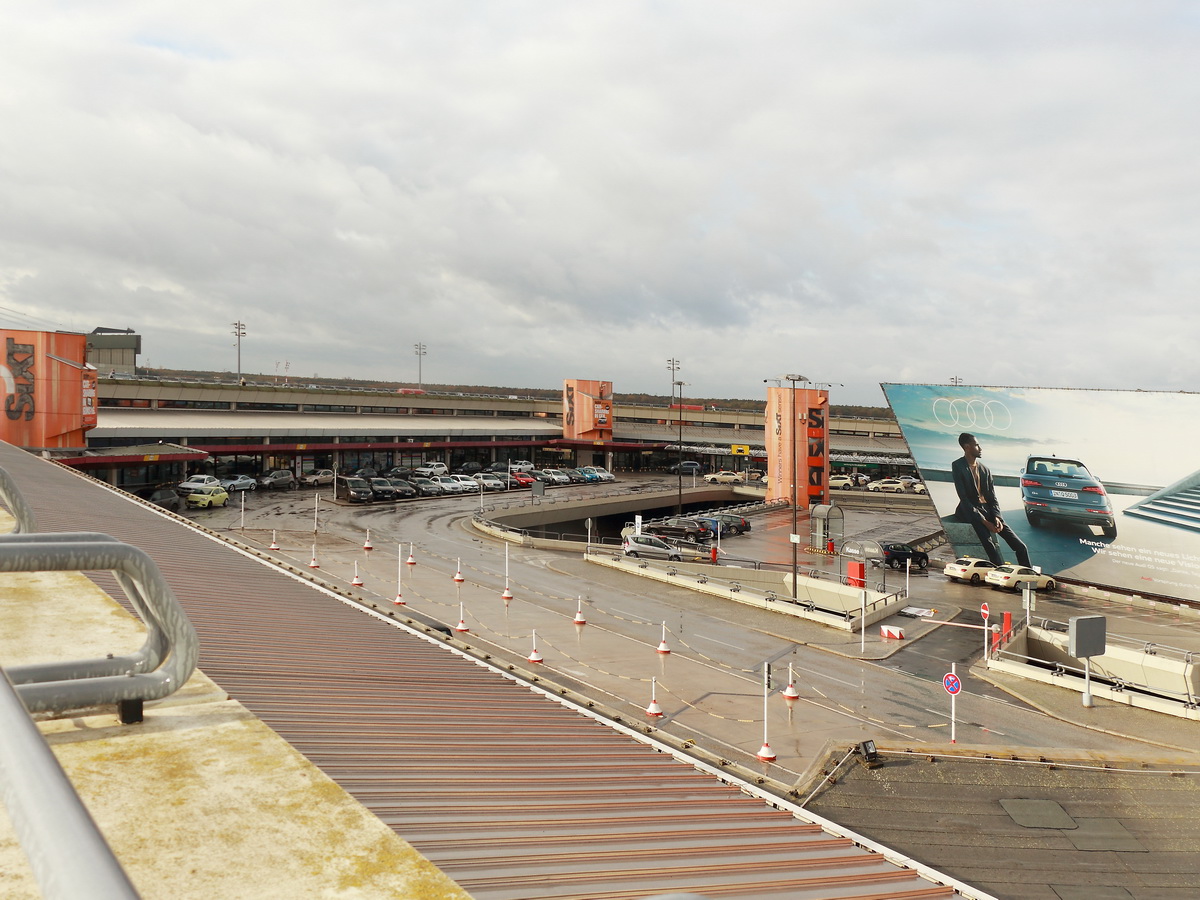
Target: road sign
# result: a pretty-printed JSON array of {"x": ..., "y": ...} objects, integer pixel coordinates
[
  {"x": 983, "y": 611},
  {"x": 951, "y": 683},
  {"x": 739, "y": 449}
]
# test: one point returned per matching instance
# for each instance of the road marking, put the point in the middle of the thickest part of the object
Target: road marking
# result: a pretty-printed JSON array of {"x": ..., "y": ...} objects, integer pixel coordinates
[{"x": 715, "y": 641}]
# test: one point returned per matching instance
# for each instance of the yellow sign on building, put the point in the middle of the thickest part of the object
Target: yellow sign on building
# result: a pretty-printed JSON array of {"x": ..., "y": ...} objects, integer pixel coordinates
[{"x": 739, "y": 449}]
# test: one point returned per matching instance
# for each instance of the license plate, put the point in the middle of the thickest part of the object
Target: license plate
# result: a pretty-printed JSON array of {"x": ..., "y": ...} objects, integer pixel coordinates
[{"x": 1065, "y": 495}]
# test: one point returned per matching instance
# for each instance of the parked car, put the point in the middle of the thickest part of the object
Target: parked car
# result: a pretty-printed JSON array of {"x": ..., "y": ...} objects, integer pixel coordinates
[
  {"x": 164, "y": 497},
  {"x": 206, "y": 496},
  {"x": 426, "y": 487},
  {"x": 716, "y": 526},
  {"x": 404, "y": 490},
  {"x": 366, "y": 472},
  {"x": 540, "y": 475},
  {"x": 382, "y": 488},
  {"x": 520, "y": 465},
  {"x": 523, "y": 479},
  {"x": 897, "y": 555},
  {"x": 1058, "y": 490},
  {"x": 887, "y": 486},
  {"x": 469, "y": 484},
  {"x": 196, "y": 481},
  {"x": 918, "y": 487},
  {"x": 842, "y": 482},
  {"x": 680, "y": 527},
  {"x": 574, "y": 475},
  {"x": 449, "y": 484},
  {"x": 468, "y": 468},
  {"x": 277, "y": 478},
  {"x": 399, "y": 472},
  {"x": 239, "y": 483},
  {"x": 429, "y": 469},
  {"x": 725, "y": 476},
  {"x": 556, "y": 476},
  {"x": 968, "y": 568},
  {"x": 490, "y": 481},
  {"x": 737, "y": 524},
  {"x": 604, "y": 474},
  {"x": 637, "y": 545},
  {"x": 1013, "y": 577},
  {"x": 356, "y": 490},
  {"x": 590, "y": 477},
  {"x": 314, "y": 478},
  {"x": 687, "y": 467}
]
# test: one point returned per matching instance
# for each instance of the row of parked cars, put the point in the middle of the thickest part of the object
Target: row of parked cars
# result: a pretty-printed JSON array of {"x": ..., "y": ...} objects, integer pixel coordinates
[
  {"x": 434, "y": 479},
  {"x": 1009, "y": 576},
  {"x": 660, "y": 539}
]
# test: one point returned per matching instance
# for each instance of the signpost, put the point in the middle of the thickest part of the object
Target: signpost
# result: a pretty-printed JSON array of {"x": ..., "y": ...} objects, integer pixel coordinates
[
  {"x": 952, "y": 685},
  {"x": 985, "y": 612}
]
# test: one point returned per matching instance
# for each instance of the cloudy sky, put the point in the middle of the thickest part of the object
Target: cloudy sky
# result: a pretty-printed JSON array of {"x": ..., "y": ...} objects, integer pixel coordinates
[{"x": 1004, "y": 192}]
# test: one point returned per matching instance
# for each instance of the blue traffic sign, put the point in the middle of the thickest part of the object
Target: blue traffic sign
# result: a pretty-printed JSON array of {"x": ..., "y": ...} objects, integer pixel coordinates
[{"x": 951, "y": 683}]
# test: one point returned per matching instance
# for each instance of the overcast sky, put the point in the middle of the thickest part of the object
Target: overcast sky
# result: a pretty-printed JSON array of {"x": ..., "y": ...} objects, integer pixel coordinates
[{"x": 1005, "y": 192}]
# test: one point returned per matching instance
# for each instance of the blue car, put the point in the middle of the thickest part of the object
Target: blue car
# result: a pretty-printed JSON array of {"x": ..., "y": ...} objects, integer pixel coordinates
[{"x": 1057, "y": 490}]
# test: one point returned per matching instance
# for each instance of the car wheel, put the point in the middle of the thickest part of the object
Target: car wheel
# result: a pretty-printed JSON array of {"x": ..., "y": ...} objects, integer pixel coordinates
[
  {"x": 845, "y": 487},
  {"x": 1050, "y": 585},
  {"x": 254, "y": 487},
  {"x": 675, "y": 558},
  {"x": 923, "y": 564},
  {"x": 975, "y": 579},
  {"x": 894, "y": 563},
  {"x": 632, "y": 553}
]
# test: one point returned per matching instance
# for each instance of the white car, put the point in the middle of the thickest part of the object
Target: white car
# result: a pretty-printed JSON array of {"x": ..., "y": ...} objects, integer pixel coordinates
[
  {"x": 844, "y": 482},
  {"x": 490, "y": 481},
  {"x": 318, "y": 477},
  {"x": 469, "y": 484},
  {"x": 1013, "y": 577},
  {"x": 239, "y": 483},
  {"x": 968, "y": 568},
  {"x": 887, "y": 486},
  {"x": 725, "y": 477},
  {"x": 520, "y": 465},
  {"x": 196, "y": 481},
  {"x": 918, "y": 487},
  {"x": 429, "y": 469}
]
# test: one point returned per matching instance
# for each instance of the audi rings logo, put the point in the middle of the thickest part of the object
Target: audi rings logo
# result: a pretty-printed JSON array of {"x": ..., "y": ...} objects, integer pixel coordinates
[{"x": 957, "y": 412}]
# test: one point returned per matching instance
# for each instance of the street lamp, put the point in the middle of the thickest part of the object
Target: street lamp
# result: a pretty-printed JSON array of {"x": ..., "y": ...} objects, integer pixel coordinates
[
  {"x": 419, "y": 350},
  {"x": 239, "y": 332}
]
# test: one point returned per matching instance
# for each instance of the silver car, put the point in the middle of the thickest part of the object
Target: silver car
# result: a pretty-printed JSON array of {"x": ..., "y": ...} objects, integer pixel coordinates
[{"x": 648, "y": 545}]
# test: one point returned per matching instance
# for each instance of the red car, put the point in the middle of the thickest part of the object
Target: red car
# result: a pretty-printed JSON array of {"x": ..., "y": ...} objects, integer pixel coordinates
[{"x": 524, "y": 479}]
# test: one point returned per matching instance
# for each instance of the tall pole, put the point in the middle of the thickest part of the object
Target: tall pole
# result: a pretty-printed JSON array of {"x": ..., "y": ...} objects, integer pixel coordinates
[
  {"x": 673, "y": 367},
  {"x": 419, "y": 350},
  {"x": 795, "y": 512},
  {"x": 239, "y": 331}
]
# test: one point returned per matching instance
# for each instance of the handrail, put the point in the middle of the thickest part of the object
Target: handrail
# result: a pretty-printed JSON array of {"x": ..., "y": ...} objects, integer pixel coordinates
[
  {"x": 12, "y": 497},
  {"x": 66, "y": 851},
  {"x": 159, "y": 668}
]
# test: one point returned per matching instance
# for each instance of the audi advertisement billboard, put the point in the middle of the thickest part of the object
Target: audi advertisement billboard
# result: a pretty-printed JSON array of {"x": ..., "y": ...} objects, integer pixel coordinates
[{"x": 1093, "y": 486}]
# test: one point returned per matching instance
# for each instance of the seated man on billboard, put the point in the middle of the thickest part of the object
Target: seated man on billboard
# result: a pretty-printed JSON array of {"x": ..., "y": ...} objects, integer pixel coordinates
[{"x": 977, "y": 503}]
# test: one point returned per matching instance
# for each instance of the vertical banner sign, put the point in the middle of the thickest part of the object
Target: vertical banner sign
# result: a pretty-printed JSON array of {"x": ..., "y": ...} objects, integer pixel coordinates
[
  {"x": 50, "y": 390},
  {"x": 797, "y": 443},
  {"x": 587, "y": 410}
]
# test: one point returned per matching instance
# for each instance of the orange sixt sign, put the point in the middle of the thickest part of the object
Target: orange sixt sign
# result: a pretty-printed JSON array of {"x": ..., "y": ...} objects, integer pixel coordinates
[{"x": 50, "y": 390}]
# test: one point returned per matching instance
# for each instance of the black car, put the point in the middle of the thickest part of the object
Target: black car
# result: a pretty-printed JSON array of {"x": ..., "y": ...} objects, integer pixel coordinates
[
  {"x": 687, "y": 467},
  {"x": 735, "y": 524},
  {"x": 404, "y": 490},
  {"x": 164, "y": 497},
  {"x": 382, "y": 488},
  {"x": 366, "y": 472},
  {"x": 468, "y": 468},
  {"x": 356, "y": 490},
  {"x": 680, "y": 527},
  {"x": 898, "y": 555},
  {"x": 399, "y": 472},
  {"x": 425, "y": 487}
]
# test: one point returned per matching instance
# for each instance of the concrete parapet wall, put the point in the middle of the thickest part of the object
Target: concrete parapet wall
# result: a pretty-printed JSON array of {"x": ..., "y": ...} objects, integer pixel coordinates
[{"x": 1167, "y": 673}]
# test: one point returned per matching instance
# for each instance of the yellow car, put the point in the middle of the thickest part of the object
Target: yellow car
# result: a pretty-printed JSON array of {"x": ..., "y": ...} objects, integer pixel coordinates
[
  {"x": 725, "y": 477},
  {"x": 210, "y": 495}
]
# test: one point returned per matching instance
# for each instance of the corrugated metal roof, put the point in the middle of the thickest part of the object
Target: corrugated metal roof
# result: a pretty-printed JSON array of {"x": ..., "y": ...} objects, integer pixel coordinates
[{"x": 511, "y": 794}]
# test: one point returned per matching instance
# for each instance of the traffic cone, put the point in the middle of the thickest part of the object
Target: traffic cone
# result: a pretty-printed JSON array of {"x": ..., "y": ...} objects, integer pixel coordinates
[
  {"x": 654, "y": 710},
  {"x": 766, "y": 754},
  {"x": 790, "y": 692},
  {"x": 506, "y": 595},
  {"x": 534, "y": 656},
  {"x": 274, "y": 543},
  {"x": 367, "y": 543},
  {"x": 462, "y": 620},
  {"x": 662, "y": 646},
  {"x": 458, "y": 575},
  {"x": 314, "y": 564},
  {"x": 411, "y": 559},
  {"x": 399, "y": 601},
  {"x": 579, "y": 619},
  {"x": 357, "y": 579}
]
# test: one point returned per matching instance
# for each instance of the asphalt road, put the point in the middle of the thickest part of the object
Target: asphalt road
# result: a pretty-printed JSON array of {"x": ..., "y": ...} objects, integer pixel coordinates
[{"x": 710, "y": 684}]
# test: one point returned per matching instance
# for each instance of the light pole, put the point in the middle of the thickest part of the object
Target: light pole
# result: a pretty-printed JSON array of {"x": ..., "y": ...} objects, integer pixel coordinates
[
  {"x": 239, "y": 332},
  {"x": 419, "y": 350}
]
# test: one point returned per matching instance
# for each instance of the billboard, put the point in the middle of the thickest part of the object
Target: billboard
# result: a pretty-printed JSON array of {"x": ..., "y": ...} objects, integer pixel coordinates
[
  {"x": 1098, "y": 487},
  {"x": 50, "y": 390},
  {"x": 587, "y": 410},
  {"x": 797, "y": 440}
]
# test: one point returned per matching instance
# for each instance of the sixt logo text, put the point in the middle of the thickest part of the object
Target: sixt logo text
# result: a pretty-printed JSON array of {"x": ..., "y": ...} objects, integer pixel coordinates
[{"x": 18, "y": 359}]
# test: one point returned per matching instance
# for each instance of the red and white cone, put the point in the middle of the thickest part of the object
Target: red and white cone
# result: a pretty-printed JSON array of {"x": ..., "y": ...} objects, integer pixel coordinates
[
  {"x": 462, "y": 620},
  {"x": 506, "y": 595},
  {"x": 357, "y": 579},
  {"x": 274, "y": 543},
  {"x": 412, "y": 561},
  {"x": 662, "y": 646},
  {"x": 399, "y": 601},
  {"x": 790, "y": 692},
  {"x": 313, "y": 564},
  {"x": 367, "y": 545},
  {"x": 653, "y": 710},
  {"x": 534, "y": 656},
  {"x": 458, "y": 575},
  {"x": 766, "y": 754},
  {"x": 579, "y": 619}
]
